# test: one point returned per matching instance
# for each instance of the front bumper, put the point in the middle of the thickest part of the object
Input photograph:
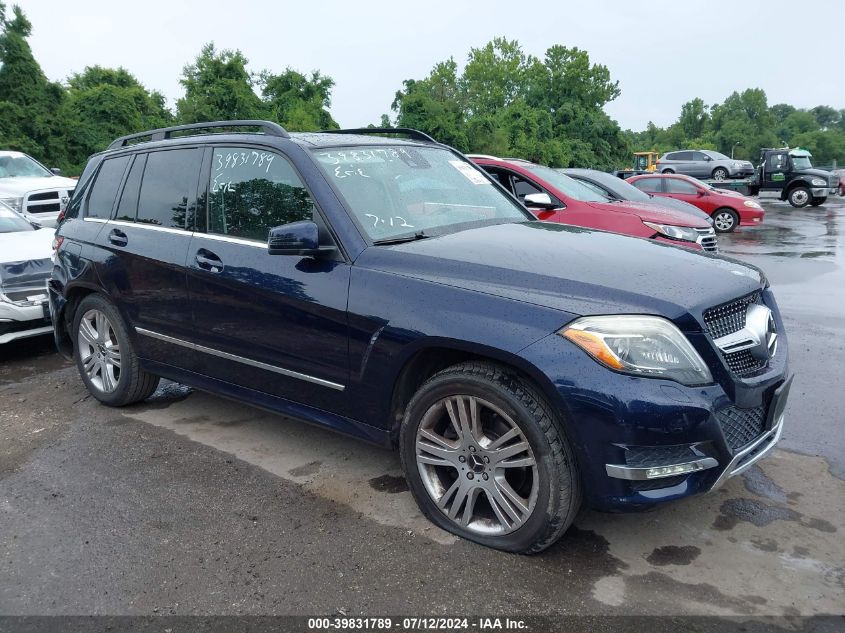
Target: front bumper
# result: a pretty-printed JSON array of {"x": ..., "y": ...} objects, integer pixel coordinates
[
  {"x": 624, "y": 426},
  {"x": 823, "y": 192},
  {"x": 740, "y": 172},
  {"x": 18, "y": 322}
]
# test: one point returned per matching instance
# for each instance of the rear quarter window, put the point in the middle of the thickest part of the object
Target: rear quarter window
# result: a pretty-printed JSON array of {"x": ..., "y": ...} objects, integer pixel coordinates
[{"x": 104, "y": 188}]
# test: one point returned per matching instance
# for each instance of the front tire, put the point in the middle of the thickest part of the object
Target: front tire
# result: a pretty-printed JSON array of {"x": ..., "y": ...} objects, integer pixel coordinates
[
  {"x": 105, "y": 357},
  {"x": 486, "y": 458},
  {"x": 720, "y": 173},
  {"x": 725, "y": 220},
  {"x": 817, "y": 200},
  {"x": 799, "y": 197}
]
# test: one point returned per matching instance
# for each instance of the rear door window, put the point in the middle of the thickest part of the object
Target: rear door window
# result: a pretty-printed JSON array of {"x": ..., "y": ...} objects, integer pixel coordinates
[
  {"x": 169, "y": 186},
  {"x": 676, "y": 185},
  {"x": 649, "y": 185},
  {"x": 251, "y": 191},
  {"x": 104, "y": 189}
]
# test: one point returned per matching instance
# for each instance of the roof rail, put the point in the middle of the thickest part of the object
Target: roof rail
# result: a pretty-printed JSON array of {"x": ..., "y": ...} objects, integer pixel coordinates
[
  {"x": 267, "y": 127},
  {"x": 407, "y": 131}
]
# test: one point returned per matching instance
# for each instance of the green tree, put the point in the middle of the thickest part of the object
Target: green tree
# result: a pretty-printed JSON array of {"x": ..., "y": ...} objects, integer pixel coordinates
[
  {"x": 28, "y": 101},
  {"x": 218, "y": 87},
  {"x": 298, "y": 102},
  {"x": 104, "y": 103}
]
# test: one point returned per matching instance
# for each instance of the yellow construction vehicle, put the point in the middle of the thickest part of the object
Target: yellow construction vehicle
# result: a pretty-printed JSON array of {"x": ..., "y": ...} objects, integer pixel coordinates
[{"x": 645, "y": 161}]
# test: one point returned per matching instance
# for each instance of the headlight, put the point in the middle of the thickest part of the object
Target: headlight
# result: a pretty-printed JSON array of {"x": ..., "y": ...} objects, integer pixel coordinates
[
  {"x": 675, "y": 232},
  {"x": 753, "y": 204},
  {"x": 646, "y": 346},
  {"x": 737, "y": 165},
  {"x": 818, "y": 182},
  {"x": 15, "y": 203}
]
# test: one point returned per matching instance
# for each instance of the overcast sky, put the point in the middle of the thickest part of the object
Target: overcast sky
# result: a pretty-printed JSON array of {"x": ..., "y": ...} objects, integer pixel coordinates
[{"x": 662, "y": 53}]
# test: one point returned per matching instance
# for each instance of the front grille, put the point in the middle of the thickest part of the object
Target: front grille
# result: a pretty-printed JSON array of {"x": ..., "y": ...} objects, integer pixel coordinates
[
  {"x": 743, "y": 363},
  {"x": 45, "y": 195},
  {"x": 729, "y": 317},
  {"x": 45, "y": 201},
  {"x": 707, "y": 240},
  {"x": 741, "y": 426}
]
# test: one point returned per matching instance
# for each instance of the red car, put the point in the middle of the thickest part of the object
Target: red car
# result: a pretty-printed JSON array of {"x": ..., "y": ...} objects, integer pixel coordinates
[
  {"x": 555, "y": 197},
  {"x": 728, "y": 209}
]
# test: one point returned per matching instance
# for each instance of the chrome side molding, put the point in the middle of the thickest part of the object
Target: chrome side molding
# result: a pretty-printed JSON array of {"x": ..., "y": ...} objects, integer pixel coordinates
[{"x": 240, "y": 359}]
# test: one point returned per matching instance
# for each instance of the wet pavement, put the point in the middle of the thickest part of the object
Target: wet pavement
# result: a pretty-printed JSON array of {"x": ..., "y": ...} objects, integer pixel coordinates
[{"x": 190, "y": 504}]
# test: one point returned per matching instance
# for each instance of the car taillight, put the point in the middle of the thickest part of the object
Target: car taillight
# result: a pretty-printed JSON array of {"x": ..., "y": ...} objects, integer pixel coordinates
[
  {"x": 60, "y": 217},
  {"x": 57, "y": 242}
]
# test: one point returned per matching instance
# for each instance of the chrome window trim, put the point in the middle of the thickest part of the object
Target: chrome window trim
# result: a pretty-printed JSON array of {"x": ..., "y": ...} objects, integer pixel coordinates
[
  {"x": 240, "y": 359},
  {"x": 152, "y": 227},
  {"x": 97, "y": 220},
  {"x": 233, "y": 240}
]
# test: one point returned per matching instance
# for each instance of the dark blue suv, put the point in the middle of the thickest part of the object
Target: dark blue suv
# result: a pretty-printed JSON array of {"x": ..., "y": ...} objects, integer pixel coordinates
[{"x": 388, "y": 289}]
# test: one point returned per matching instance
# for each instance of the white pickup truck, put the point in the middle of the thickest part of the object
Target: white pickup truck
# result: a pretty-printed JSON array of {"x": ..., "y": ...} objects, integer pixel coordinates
[{"x": 31, "y": 189}]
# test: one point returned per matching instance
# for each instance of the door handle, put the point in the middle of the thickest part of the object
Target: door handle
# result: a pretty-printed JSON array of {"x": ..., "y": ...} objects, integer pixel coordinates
[
  {"x": 209, "y": 261},
  {"x": 118, "y": 237}
]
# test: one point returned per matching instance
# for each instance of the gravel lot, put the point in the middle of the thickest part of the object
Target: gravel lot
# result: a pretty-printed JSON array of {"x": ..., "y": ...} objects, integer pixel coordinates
[{"x": 190, "y": 504}]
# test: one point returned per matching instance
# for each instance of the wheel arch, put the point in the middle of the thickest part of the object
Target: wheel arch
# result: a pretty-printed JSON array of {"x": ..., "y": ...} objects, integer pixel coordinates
[
  {"x": 436, "y": 355},
  {"x": 793, "y": 184},
  {"x": 73, "y": 296}
]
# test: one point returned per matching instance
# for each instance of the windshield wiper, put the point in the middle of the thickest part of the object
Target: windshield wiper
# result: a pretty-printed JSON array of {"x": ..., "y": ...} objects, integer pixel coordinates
[{"x": 419, "y": 235}]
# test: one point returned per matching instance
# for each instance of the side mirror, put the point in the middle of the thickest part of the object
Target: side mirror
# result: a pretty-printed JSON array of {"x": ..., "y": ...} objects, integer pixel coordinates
[
  {"x": 539, "y": 201},
  {"x": 701, "y": 193},
  {"x": 296, "y": 238},
  {"x": 56, "y": 171},
  {"x": 708, "y": 158}
]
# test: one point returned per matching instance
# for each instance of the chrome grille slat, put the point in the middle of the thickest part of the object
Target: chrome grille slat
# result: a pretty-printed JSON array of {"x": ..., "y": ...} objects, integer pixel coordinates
[{"x": 726, "y": 319}]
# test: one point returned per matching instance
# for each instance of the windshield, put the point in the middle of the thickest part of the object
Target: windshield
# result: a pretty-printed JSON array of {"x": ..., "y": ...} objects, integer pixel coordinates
[
  {"x": 566, "y": 185},
  {"x": 405, "y": 190},
  {"x": 801, "y": 162},
  {"x": 717, "y": 156},
  {"x": 21, "y": 166},
  {"x": 11, "y": 222}
]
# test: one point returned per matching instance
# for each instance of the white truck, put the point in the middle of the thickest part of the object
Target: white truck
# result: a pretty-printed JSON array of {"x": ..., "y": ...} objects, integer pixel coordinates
[{"x": 31, "y": 189}]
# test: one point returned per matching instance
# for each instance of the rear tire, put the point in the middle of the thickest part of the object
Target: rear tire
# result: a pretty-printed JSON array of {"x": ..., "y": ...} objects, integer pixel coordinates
[
  {"x": 668, "y": 171},
  {"x": 105, "y": 357},
  {"x": 725, "y": 220},
  {"x": 817, "y": 200},
  {"x": 799, "y": 197},
  {"x": 481, "y": 444},
  {"x": 720, "y": 173}
]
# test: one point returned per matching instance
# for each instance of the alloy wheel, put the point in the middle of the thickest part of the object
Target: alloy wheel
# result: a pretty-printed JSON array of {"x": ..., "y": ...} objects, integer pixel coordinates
[
  {"x": 724, "y": 221},
  {"x": 477, "y": 465},
  {"x": 99, "y": 350}
]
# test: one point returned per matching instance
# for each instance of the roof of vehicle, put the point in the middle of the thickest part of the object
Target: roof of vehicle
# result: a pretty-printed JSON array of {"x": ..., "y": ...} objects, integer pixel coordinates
[{"x": 269, "y": 129}]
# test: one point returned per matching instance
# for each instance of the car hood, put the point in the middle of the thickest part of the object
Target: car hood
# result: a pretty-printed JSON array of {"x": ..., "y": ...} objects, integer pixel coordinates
[
  {"x": 21, "y": 186},
  {"x": 25, "y": 257},
  {"x": 820, "y": 173},
  {"x": 652, "y": 212},
  {"x": 573, "y": 269}
]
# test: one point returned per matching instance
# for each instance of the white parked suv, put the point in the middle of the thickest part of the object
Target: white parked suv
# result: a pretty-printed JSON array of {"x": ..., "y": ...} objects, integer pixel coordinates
[{"x": 31, "y": 189}]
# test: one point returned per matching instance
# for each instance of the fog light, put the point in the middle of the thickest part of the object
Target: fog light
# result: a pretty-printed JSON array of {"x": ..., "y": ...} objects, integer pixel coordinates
[{"x": 668, "y": 471}]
